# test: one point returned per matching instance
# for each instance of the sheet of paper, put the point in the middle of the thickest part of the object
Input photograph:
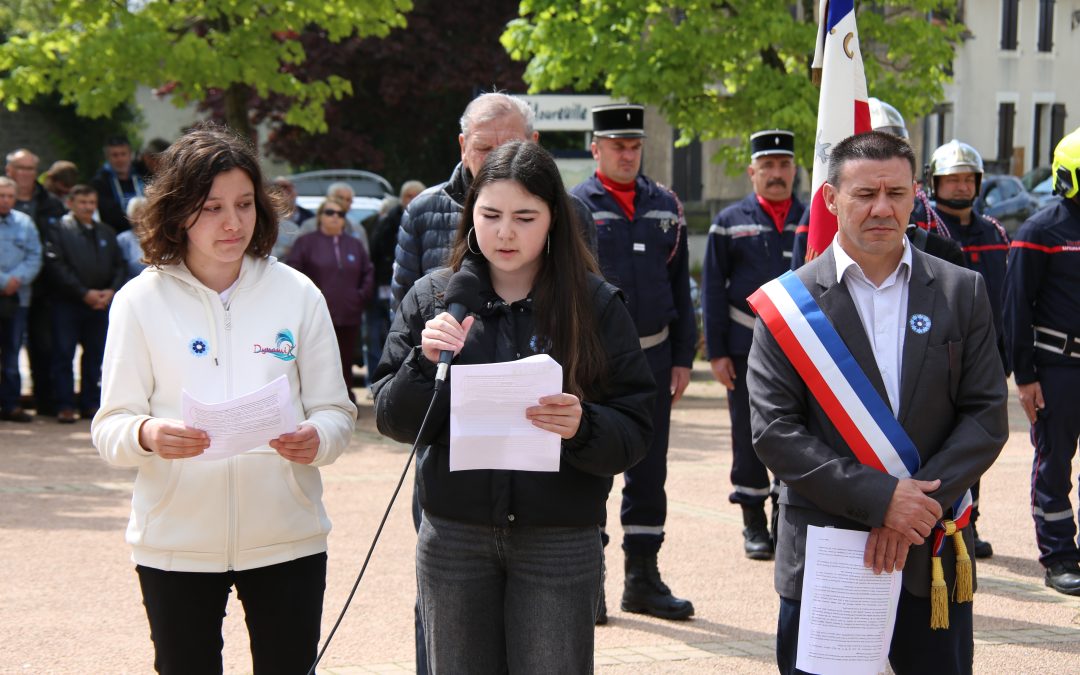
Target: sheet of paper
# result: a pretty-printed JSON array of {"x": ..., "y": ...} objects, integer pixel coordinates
[
  {"x": 243, "y": 423},
  {"x": 848, "y": 612},
  {"x": 488, "y": 429}
]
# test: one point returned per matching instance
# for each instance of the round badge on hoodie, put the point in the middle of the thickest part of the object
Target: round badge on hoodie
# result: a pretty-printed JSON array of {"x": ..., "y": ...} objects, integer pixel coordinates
[{"x": 198, "y": 347}]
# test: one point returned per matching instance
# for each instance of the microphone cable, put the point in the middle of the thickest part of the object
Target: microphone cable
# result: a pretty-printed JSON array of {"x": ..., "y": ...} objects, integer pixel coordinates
[{"x": 375, "y": 540}]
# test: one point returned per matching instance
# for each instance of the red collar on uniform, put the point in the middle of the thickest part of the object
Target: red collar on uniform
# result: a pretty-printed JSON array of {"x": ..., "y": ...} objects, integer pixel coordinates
[
  {"x": 622, "y": 192},
  {"x": 776, "y": 210}
]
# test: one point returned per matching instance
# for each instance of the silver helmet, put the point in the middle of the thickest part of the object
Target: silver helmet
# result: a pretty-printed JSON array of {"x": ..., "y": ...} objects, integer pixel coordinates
[
  {"x": 884, "y": 117},
  {"x": 955, "y": 157}
]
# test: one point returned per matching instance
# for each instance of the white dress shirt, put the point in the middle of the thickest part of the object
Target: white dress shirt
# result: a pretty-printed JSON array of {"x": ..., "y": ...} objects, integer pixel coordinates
[{"x": 882, "y": 310}]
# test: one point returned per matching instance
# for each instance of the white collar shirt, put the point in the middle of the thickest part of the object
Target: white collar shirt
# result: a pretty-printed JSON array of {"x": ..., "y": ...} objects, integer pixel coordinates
[{"x": 882, "y": 310}]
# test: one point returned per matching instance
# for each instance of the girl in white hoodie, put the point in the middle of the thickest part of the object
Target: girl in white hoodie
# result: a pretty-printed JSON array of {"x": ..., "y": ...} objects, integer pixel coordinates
[{"x": 213, "y": 315}]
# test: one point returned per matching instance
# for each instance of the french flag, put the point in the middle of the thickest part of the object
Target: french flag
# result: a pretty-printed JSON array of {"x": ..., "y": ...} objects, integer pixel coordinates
[{"x": 842, "y": 107}]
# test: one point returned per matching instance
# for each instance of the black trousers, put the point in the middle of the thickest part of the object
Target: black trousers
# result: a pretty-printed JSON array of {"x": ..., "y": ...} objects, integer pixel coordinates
[
  {"x": 644, "y": 499},
  {"x": 282, "y": 609},
  {"x": 915, "y": 648},
  {"x": 749, "y": 477},
  {"x": 1054, "y": 436}
]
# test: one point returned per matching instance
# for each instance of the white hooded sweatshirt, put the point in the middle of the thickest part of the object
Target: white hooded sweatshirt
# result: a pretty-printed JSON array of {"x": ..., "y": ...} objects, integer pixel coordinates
[{"x": 169, "y": 333}]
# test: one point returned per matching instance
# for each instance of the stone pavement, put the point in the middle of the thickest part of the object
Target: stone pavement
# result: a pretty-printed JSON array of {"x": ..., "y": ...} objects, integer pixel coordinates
[{"x": 69, "y": 598}]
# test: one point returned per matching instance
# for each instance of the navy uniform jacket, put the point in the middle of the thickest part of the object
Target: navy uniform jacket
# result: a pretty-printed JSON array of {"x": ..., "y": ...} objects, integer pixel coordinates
[
  {"x": 986, "y": 250},
  {"x": 1042, "y": 287},
  {"x": 648, "y": 259},
  {"x": 744, "y": 251}
]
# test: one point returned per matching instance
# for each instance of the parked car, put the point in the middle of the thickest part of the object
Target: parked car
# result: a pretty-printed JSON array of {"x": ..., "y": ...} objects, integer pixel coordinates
[
  {"x": 364, "y": 183},
  {"x": 1004, "y": 198},
  {"x": 362, "y": 207},
  {"x": 1044, "y": 191}
]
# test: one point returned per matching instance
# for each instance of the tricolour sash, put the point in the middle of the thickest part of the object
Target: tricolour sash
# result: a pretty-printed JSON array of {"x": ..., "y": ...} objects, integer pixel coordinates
[{"x": 858, "y": 412}]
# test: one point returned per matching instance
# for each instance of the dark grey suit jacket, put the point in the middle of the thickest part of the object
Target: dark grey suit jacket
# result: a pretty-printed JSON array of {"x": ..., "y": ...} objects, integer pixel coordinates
[{"x": 952, "y": 405}]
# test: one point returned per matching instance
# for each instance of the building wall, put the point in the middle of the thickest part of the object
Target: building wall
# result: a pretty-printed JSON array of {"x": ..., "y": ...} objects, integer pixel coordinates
[
  {"x": 985, "y": 76},
  {"x": 25, "y": 128}
]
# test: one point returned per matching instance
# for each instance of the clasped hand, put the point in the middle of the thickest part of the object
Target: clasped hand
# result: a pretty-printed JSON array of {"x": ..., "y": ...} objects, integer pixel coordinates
[
  {"x": 171, "y": 439},
  {"x": 910, "y": 518}
]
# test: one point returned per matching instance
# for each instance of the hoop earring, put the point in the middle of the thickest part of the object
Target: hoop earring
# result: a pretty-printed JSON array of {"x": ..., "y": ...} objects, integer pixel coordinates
[
  {"x": 468, "y": 241},
  {"x": 549, "y": 244}
]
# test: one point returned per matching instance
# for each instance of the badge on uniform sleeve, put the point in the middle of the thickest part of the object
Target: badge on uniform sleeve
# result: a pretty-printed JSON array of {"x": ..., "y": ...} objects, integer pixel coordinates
[{"x": 919, "y": 323}]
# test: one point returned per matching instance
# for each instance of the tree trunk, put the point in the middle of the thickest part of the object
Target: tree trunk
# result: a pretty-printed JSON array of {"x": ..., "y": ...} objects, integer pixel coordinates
[{"x": 236, "y": 110}]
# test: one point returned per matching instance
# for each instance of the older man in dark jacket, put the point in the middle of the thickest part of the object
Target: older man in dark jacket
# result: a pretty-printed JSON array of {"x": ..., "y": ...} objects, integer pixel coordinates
[
  {"x": 427, "y": 228},
  {"x": 84, "y": 268}
]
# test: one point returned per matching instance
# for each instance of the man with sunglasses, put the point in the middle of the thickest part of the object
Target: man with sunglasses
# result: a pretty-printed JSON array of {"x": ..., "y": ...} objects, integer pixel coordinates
[{"x": 1042, "y": 337}]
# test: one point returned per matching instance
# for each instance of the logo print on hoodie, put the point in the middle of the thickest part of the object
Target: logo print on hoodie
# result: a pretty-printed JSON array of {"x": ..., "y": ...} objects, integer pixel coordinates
[
  {"x": 284, "y": 344},
  {"x": 198, "y": 346}
]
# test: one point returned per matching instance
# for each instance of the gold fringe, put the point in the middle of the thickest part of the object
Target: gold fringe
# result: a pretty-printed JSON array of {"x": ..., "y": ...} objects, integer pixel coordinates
[
  {"x": 939, "y": 596},
  {"x": 962, "y": 592}
]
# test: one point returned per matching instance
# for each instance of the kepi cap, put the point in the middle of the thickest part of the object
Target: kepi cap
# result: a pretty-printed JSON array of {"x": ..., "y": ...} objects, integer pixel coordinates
[
  {"x": 619, "y": 120},
  {"x": 772, "y": 142}
]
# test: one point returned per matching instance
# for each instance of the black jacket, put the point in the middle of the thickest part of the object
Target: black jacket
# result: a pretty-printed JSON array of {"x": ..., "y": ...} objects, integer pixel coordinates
[
  {"x": 615, "y": 431},
  {"x": 383, "y": 240},
  {"x": 78, "y": 260},
  {"x": 111, "y": 204},
  {"x": 429, "y": 224}
]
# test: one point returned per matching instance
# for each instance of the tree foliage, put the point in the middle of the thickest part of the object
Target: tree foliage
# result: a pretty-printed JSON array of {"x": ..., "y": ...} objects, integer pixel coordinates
[
  {"x": 408, "y": 91},
  {"x": 724, "y": 69},
  {"x": 94, "y": 53}
]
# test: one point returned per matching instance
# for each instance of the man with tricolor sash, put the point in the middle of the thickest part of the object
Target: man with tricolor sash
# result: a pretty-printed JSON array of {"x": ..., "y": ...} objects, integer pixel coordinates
[{"x": 878, "y": 399}]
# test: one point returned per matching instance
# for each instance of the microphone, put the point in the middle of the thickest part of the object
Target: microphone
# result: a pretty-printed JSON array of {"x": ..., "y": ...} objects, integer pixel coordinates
[{"x": 462, "y": 296}]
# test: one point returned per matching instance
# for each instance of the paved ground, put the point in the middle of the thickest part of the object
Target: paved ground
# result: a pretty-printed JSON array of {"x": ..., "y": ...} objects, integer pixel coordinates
[{"x": 69, "y": 600}]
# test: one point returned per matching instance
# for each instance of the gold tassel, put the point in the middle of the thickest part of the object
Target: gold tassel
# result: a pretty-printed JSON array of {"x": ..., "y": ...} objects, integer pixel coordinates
[
  {"x": 962, "y": 592},
  {"x": 939, "y": 596}
]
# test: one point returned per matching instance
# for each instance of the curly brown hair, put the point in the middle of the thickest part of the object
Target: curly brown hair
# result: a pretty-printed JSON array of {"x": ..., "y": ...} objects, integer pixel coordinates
[{"x": 182, "y": 183}]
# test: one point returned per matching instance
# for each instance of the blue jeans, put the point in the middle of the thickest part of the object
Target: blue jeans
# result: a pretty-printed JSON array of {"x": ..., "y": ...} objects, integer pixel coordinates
[
  {"x": 11, "y": 338},
  {"x": 376, "y": 328},
  {"x": 75, "y": 323},
  {"x": 517, "y": 599}
]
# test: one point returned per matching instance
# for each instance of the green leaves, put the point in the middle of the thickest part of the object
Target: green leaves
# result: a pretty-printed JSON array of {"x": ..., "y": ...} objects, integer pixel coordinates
[
  {"x": 95, "y": 52},
  {"x": 725, "y": 69}
]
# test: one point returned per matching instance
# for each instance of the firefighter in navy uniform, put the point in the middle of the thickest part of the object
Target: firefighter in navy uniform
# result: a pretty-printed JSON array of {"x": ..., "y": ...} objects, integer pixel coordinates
[
  {"x": 925, "y": 229},
  {"x": 954, "y": 177},
  {"x": 1042, "y": 334},
  {"x": 750, "y": 243},
  {"x": 642, "y": 250}
]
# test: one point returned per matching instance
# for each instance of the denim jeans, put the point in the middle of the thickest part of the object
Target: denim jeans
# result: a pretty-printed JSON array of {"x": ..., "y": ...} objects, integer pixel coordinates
[
  {"x": 376, "y": 328},
  {"x": 508, "y": 599},
  {"x": 75, "y": 323},
  {"x": 11, "y": 338}
]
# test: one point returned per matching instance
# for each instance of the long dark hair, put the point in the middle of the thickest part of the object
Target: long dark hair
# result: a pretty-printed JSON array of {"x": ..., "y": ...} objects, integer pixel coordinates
[
  {"x": 565, "y": 316},
  {"x": 183, "y": 181}
]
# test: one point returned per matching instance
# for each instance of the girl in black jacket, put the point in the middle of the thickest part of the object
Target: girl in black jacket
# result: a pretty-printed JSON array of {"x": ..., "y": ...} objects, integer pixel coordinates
[{"x": 509, "y": 564}]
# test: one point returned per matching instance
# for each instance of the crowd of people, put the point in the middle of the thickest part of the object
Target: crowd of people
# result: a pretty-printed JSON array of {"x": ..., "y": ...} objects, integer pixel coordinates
[
  {"x": 869, "y": 379},
  {"x": 59, "y": 289}
]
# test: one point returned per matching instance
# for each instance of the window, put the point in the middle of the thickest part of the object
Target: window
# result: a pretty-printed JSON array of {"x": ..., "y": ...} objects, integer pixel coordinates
[
  {"x": 1010, "y": 10},
  {"x": 1041, "y": 110},
  {"x": 1057, "y": 124},
  {"x": 686, "y": 165},
  {"x": 1006, "y": 122},
  {"x": 1046, "y": 25}
]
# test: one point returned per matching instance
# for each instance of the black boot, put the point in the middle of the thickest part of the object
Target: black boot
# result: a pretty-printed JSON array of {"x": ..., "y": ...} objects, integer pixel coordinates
[
  {"x": 983, "y": 549},
  {"x": 1064, "y": 577},
  {"x": 756, "y": 541},
  {"x": 645, "y": 593}
]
